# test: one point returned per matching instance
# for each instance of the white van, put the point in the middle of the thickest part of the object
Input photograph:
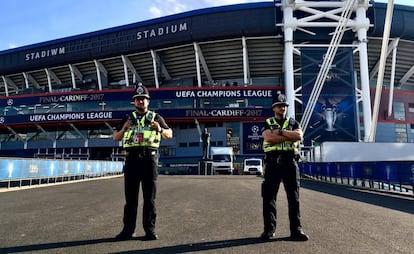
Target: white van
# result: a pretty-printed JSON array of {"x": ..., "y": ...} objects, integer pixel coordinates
[
  {"x": 223, "y": 160},
  {"x": 253, "y": 166}
]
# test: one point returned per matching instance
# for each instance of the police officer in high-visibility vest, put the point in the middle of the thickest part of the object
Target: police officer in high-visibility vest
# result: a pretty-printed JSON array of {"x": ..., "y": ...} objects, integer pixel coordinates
[
  {"x": 281, "y": 136},
  {"x": 141, "y": 132}
]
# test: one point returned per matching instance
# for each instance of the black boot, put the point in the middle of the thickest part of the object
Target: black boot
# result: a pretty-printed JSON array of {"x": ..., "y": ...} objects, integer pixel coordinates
[
  {"x": 123, "y": 236},
  {"x": 299, "y": 235},
  {"x": 266, "y": 235}
]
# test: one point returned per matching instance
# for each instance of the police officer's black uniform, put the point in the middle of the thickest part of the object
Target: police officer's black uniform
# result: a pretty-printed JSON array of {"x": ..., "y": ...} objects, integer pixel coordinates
[
  {"x": 281, "y": 166},
  {"x": 141, "y": 166}
]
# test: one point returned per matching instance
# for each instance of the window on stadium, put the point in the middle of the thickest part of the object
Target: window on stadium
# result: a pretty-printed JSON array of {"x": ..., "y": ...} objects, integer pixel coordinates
[
  {"x": 401, "y": 133},
  {"x": 167, "y": 151},
  {"x": 399, "y": 111},
  {"x": 411, "y": 107}
]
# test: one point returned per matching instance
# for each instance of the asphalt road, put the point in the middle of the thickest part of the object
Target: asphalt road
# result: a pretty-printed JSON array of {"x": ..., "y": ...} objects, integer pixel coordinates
[{"x": 203, "y": 214}]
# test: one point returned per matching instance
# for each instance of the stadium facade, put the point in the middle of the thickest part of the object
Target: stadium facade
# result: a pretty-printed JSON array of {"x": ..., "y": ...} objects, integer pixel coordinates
[{"x": 216, "y": 68}]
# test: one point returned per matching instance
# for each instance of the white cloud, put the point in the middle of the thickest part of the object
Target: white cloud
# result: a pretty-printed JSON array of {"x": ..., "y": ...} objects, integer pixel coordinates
[
  {"x": 161, "y": 8},
  {"x": 155, "y": 11},
  {"x": 177, "y": 6},
  {"x": 11, "y": 45},
  {"x": 167, "y": 7},
  {"x": 229, "y": 2}
]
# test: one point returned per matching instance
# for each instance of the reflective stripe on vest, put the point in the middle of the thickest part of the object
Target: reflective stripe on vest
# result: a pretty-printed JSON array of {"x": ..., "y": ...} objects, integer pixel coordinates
[
  {"x": 284, "y": 146},
  {"x": 141, "y": 134}
]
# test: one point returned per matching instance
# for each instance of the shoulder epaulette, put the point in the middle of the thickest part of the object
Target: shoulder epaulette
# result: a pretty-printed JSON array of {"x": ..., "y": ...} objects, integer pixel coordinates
[{"x": 292, "y": 121}]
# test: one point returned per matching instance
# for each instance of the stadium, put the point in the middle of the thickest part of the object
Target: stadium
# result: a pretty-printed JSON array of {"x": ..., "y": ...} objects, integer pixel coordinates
[{"x": 216, "y": 68}]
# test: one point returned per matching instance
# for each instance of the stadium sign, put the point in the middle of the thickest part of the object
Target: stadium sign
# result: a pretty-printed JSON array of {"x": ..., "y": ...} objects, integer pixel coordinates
[
  {"x": 182, "y": 114},
  {"x": 71, "y": 116},
  {"x": 236, "y": 112},
  {"x": 160, "y": 31},
  {"x": 71, "y": 98},
  {"x": 64, "y": 98},
  {"x": 45, "y": 53},
  {"x": 238, "y": 93},
  {"x": 125, "y": 95}
]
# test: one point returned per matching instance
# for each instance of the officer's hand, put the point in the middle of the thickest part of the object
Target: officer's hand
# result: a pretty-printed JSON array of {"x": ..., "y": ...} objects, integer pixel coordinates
[
  {"x": 155, "y": 126},
  {"x": 127, "y": 124}
]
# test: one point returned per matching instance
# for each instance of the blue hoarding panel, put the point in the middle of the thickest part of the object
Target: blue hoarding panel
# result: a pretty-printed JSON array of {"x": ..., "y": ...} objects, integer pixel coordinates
[
  {"x": 407, "y": 173},
  {"x": 392, "y": 172},
  {"x": 13, "y": 169}
]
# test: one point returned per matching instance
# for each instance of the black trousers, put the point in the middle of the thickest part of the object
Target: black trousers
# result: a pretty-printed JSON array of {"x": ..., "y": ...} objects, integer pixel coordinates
[
  {"x": 281, "y": 169},
  {"x": 140, "y": 169}
]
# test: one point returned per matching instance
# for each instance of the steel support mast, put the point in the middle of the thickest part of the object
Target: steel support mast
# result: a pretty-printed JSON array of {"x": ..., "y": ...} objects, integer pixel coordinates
[{"x": 336, "y": 14}]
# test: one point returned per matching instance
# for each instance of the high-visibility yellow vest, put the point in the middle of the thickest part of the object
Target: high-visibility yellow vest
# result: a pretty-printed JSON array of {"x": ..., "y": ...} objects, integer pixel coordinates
[
  {"x": 140, "y": 134},
  {"x": 284, "y": 146}
]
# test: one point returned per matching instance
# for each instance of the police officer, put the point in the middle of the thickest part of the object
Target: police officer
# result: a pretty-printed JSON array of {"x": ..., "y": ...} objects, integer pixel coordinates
[
  {"x": 141, "y": 132},
  {"x": 281, "y": 141}
]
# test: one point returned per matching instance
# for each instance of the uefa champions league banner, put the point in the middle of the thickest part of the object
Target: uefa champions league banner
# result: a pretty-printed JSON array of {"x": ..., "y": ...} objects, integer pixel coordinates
[
  {"x": 215, "y": 113},
  {"x": 252, "y": 138},
  {"x": 263, "y": 92},
  {"x": 335, "y": 114}
]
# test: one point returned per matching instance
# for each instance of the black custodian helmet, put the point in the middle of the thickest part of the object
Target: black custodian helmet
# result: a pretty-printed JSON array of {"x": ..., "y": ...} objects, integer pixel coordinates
[
  {"x": 279, "y": 99},
  {"x": 140, "y": 92}
]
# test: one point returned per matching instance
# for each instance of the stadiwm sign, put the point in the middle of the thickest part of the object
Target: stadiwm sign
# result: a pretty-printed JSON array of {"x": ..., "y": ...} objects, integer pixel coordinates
[{"x": 44, "y": 53}]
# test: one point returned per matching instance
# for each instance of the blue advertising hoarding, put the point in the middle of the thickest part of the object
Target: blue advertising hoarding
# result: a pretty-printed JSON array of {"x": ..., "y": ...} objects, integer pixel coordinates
[
  {"x": 401, "y": 172},
  {"x": 13, "y": 168}
]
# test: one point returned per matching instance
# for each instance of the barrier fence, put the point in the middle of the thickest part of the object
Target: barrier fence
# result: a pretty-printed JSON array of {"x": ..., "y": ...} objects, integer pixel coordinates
[
  {"x": 16, "y": 172},
  {"x": 397, "y": 176}
]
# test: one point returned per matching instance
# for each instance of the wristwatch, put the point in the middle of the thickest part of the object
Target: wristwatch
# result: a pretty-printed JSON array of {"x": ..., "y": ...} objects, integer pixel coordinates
[{"x": 281, "y": 132}]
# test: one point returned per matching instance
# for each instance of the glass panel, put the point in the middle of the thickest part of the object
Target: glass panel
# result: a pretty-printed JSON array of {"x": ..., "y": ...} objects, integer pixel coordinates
[
  {"x": 401, "y": 133},
  {"x": 399, "y": 111}
]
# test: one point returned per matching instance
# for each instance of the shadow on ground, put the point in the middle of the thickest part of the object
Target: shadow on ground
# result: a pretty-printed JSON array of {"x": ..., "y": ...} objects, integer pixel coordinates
[
  {"x": 403, "y": 203},
  {"x": 182, "y": 248}
]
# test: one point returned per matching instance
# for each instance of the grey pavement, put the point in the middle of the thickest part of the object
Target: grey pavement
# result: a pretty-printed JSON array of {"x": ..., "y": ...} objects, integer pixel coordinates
[{"x": 203, "y": 214}]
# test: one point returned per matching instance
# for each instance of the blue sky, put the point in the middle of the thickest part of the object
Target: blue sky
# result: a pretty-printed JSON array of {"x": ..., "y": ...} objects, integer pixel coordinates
[{"x": 25, "y": 22}]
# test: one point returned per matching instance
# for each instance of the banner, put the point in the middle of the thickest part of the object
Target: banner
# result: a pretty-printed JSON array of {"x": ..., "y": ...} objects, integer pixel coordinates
[
  {"x": 126, "y": 94},
  {"x": 215, "y": 113},
  {"x": 252, "y": 138},
  {"x": 335, "y": 114}
]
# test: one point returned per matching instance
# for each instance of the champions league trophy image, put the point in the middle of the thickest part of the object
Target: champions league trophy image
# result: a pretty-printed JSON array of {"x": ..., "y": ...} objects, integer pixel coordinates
[
  {"x": 329, "y": 115},
  {"x": 329, "y": 112}
]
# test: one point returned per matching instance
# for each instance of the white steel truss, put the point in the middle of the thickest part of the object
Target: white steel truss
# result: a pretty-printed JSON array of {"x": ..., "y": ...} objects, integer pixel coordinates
[{"x": 335, "y": 14}]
